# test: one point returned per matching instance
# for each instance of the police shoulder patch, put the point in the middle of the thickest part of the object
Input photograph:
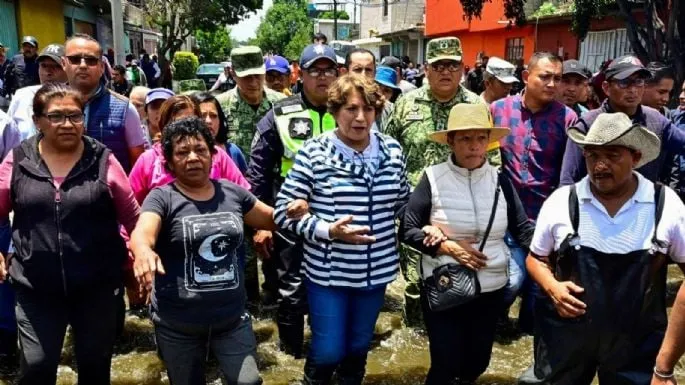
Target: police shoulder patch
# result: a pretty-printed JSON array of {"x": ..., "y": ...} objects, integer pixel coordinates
[{"x": 300, "y": 128}]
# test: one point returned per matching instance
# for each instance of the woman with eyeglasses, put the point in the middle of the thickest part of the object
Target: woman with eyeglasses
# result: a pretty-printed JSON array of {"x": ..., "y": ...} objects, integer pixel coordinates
[
  {"x": 150, "y": 170},
  {"x": 69, "y": 194}
]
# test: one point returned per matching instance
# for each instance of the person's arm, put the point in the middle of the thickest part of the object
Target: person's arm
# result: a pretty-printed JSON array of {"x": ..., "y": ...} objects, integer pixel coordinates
[
  {"x": 10, "y": 137},
  {"x": 238, "y": 157},
  {"x": 158, "y": 72},
  {"x": 673, "y": 345},
  {"x": 140, "y": 175},
  {"x": 144, "y": 238},
  {"x": 261, "y": 217},
  {"x": 229, "y": 170},
  {"x": 218, "y": 83},
  {"x": 125, "y": 202},
  {"x": 263, "y": 160},
  {"x": 143, "y": 78},
  {"x": 416, "y": 216},
  {"x": 404, "y": 192},
  {"x": 518, "y": 223},
  {"x": 135, "y": 139},
  {"x": 673, "y": 138},
  {"x": 573, "y": 165}
]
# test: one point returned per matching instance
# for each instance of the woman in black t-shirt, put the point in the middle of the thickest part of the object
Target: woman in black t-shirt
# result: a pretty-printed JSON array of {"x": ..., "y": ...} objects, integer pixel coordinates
[{"x": 185, "y": 248}]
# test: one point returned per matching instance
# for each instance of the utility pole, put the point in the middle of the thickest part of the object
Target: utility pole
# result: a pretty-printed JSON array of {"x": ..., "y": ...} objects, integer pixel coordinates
[
  {"x": 118, "y": 31},
  {"x": 335, "y": 19}
]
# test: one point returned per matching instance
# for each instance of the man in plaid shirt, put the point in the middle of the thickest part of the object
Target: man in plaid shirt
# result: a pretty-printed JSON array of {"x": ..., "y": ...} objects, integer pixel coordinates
[{"x": 532, "y": 153}]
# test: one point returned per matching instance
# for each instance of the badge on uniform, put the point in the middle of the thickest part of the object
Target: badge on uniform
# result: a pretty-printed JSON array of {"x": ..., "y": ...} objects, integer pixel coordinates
[
  {"x": 415, "y": 114},
  {"x": 300, "y": 128}
]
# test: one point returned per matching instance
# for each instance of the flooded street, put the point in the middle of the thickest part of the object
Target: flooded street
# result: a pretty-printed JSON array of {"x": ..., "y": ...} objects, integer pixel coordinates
[{"x": 399, "y": 355}]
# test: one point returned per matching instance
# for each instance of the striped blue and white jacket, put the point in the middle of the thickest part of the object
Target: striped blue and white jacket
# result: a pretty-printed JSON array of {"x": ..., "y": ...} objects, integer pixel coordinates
[{"x": 335, "y": 188}]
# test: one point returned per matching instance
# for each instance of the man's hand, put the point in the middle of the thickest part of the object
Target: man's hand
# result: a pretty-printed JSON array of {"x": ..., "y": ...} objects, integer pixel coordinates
[
  {"x": 297, "y": 209},
  {"x": 342, "y": 230},
  {"x": 3, "y": 268},
  {"x": 567, "y": 305},
  {"x": 433, "y": 236},
  {"x": 263, "y": 241},
  {"x": 146, "y": 266}
]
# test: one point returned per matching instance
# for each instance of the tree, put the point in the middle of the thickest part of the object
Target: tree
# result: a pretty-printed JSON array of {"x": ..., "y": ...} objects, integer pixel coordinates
[
  {"x": 215, "y": 46},
  {"x": 341, "y": 15},
  {"x": 178, "y": 19},
  {"x": 285, "y": 29}
]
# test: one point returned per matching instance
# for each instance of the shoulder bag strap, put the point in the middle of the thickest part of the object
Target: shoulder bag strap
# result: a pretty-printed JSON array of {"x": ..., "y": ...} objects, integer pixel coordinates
[
  {"x": 573, "y": 209},
  {"x": 492, "y": 214},
  {"x": 659, "y": 200}
]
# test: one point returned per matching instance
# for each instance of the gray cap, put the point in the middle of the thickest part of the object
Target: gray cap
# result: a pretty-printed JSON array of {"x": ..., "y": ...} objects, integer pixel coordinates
[
  {"x": 29, "y": 40},
  {"x": 54, "y": 52},
  {"x": 502, "y": 70}
]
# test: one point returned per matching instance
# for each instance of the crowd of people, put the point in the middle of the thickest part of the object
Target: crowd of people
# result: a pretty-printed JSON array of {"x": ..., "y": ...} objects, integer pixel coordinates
[{"x": 339, "y": 176}]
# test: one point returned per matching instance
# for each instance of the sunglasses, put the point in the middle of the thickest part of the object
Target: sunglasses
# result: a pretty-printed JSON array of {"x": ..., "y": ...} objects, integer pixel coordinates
[
  {"x": 451, "y": 67},
  {"x": 91, "y": 61}
]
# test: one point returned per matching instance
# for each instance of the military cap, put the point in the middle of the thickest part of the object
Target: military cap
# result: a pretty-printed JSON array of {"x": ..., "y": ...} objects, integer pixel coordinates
[
  {"x": 444, "y": 48},
  {"x": 248, "y": 60}
]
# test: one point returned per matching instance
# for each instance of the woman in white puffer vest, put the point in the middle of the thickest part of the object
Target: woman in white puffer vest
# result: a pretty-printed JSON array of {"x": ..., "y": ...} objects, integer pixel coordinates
[{"x": 460, "y": 198}]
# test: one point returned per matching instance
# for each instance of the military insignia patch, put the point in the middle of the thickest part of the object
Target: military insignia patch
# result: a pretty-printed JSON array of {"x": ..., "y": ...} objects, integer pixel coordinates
[{"x": 300, "y": 128}]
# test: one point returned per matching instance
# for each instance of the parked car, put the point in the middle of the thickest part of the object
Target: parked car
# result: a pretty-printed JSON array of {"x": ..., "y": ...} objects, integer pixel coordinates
[{"x": 209, "y": 73}]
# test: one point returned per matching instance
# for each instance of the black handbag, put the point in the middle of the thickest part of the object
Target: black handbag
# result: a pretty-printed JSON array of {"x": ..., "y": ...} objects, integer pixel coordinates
[{"x": 453, "y": 284}]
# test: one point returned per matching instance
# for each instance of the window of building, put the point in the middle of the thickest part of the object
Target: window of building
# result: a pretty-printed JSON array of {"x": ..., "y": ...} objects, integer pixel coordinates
[
  {"x": 385, "y": 8},
  {"x": 514, "y": 49}
]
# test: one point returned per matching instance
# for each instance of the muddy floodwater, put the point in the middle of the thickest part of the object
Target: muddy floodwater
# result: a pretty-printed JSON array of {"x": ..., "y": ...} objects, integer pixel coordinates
[{"x": 399, "y": 355}]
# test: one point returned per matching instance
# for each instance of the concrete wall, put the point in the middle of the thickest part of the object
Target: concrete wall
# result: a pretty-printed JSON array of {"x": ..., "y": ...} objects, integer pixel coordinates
[
  {"x": 406, "y": 13},
  {"x": 372, "y": 18},
  {"x": 43, "y": 19}
]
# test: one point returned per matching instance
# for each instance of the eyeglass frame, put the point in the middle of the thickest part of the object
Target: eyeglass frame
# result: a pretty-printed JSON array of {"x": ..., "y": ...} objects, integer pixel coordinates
[
  {"x": 51, "y": 118},
  {"x": 329, "y": 72}
]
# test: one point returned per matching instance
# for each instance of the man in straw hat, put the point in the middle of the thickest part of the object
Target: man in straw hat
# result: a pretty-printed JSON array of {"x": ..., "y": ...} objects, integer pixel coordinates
[
  {"x": 599, "y": 252},
  {"x": 461, "y": 338}
]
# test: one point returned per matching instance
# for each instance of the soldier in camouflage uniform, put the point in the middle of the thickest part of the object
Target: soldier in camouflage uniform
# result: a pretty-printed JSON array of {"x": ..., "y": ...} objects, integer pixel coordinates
[
  {"x": 417, "y": 114},
  {"x": 244, "y": 106},
  {"x": 250, "y": 100}
]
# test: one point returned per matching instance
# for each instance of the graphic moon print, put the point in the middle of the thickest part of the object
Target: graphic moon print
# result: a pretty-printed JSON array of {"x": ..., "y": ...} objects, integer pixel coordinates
[{"x": 214, "y": 248}]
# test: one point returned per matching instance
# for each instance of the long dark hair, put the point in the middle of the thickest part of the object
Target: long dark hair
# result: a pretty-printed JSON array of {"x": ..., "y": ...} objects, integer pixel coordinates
[{"x": 205, "y": 97}]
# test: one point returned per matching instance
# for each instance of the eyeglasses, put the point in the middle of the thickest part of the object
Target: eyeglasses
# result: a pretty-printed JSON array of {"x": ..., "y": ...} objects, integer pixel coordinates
[
  {"x": 91, "y": 61},
  {"x": 452, "y": 67},
  {"x": 626, "y": 83},
  {"x": 59, "y": 118},
  {"x": 327, "y": 72}
]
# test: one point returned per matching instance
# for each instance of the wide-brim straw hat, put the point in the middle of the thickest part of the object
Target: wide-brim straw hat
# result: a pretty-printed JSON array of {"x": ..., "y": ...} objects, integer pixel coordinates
[
  {"x": 616, "y": 129},
  {"x": 464, "y": 117}
]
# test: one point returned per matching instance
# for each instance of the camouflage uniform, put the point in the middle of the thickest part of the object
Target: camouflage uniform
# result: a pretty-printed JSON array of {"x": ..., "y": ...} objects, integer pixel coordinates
[
  {"x": 241, "y": 118},
  {"x": 241, "y": 121},
  {"x": 417, "y": 114}
]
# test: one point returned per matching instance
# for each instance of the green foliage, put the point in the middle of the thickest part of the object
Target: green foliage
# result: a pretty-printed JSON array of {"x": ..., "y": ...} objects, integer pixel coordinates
[
  {"x": 215, "y": 45},
  {"x": 546, "y": 9},
  {"x": 513, "y": 9},
  {"x": 585, "y": 11},
  {"x": 286, "y": 29},
  {"x": 186, "y": 64},
  {"x": 190, "y": 86},
  {"x": 342, "y": 15}
]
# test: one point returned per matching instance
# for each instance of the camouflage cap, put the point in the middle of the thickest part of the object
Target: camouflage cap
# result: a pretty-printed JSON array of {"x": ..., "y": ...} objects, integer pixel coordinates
[
  {"x": 444, "y": 48},
  {"x": 248, "y": 60}
]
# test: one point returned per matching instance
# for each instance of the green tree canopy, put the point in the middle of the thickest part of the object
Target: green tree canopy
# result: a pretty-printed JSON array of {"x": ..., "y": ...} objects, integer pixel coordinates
[
  {"x": 215, "y": 45},
  {"x": 286, "y": 29},
  {"x": 342, "y": 15}
]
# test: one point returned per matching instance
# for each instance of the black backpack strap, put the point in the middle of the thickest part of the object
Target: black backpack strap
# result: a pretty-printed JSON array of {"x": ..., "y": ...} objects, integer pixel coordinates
[
  {"x": 659, "y": 200},
  {"x": 493, "y": 212},
  {"x": 573, "y": 208}
]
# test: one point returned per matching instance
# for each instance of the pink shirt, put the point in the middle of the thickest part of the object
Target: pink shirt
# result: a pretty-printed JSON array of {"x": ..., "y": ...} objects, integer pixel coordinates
[{"x": 149, "y": 171}]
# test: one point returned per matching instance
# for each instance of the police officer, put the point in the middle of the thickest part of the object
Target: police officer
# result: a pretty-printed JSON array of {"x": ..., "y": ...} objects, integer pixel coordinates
[
  {"x": 244, "y": 106},
  {"x": 417, "y": 114},
  {"x": 22, "y": 70},
  {"x": 278, "y": 138}
]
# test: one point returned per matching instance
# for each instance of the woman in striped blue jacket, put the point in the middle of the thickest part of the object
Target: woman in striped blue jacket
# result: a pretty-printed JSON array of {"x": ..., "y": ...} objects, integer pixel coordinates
[{"x": 356, "y": 184}]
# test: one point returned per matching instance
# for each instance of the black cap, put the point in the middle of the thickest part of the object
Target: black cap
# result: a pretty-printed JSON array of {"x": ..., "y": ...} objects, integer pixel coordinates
[
  {"x": 626, "y": 66},
  {"x": 573, "y": 67},
  {"x": 29, "y": 40}
]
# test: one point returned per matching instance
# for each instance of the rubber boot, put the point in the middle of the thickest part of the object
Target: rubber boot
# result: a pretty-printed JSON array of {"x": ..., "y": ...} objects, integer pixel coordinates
[
  {"x": 351, "y": 370},
  {"x": 291, "y": 333},
  {"x": 317, "y": 374}
]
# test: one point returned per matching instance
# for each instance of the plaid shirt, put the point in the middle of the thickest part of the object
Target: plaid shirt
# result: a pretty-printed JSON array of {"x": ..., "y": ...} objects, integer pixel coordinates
[{"x": 533, "y": 151}]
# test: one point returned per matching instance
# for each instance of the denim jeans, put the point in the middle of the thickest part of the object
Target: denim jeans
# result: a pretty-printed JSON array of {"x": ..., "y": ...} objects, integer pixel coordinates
[
  {"x": 184, "y": 349},
  {"x": 342, "y": 321},
  {"x": 517, "y": 271}
]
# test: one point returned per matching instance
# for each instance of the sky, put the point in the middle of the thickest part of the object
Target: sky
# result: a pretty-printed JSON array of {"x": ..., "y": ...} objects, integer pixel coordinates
[{"x": 247, "y": 28}]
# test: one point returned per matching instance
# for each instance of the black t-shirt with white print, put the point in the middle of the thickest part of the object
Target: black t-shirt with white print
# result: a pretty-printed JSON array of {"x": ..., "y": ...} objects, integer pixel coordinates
[{"x": 197, "y": 245}]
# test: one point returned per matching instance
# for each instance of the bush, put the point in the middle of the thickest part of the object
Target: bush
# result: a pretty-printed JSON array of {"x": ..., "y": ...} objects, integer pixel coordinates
[
  {"x": 186, "y": 64},
  {"x": 191, "y": 85},
  {"x": 342, "y": 15}
]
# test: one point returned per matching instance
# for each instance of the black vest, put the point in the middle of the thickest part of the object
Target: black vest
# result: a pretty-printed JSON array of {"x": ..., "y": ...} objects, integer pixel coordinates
[{"x": 66, "y": 242}]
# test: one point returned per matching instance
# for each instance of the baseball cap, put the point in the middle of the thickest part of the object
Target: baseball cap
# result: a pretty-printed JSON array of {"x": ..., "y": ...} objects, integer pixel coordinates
[
  {"x": 392, "y": 62},
  {"x": 248, "y": 60},
  {"x": 277, "y": 63},
  {"x": 445, "y": 48},
  {"x": 29, "y": 40},
  {"x": 386, "y": 76},
  {"x": 624, "y": 67},
  {"x": 52, "y": 51},
  {"x": 502, "y": 70},
  {"x": 158, "y": 94},
  {"x": 314, "y": 52},
  {"x": 573, "y": 67}
]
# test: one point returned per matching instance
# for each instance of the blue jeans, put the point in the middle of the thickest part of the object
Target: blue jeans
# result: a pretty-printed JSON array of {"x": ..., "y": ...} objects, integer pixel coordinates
[
  {"x": 342, "y": 321},
  {"x": 517, "y": 271},
  {"x": 8, "y": 321}
]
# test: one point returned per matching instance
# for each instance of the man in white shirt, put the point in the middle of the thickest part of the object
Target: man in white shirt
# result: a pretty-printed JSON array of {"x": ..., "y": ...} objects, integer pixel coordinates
[{"x": 599, "y": 252}]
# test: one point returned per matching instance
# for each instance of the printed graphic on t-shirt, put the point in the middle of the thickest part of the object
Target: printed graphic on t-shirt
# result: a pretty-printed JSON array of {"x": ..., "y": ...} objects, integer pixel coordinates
[{"x": 210, "y": 244}]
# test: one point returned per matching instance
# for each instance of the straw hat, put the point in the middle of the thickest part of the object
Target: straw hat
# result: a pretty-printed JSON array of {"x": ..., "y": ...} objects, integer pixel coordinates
[
  {"x": 464, "y": 117},
  {"x": 616, "y": 129}
]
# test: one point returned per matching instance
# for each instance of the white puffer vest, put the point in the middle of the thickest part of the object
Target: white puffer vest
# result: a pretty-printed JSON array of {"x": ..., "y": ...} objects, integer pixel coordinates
[{"x": 461, "y": 207}]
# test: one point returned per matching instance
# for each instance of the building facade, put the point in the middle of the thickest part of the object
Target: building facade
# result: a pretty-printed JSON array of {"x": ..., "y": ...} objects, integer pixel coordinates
[{"x": 400, "y": 24}]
